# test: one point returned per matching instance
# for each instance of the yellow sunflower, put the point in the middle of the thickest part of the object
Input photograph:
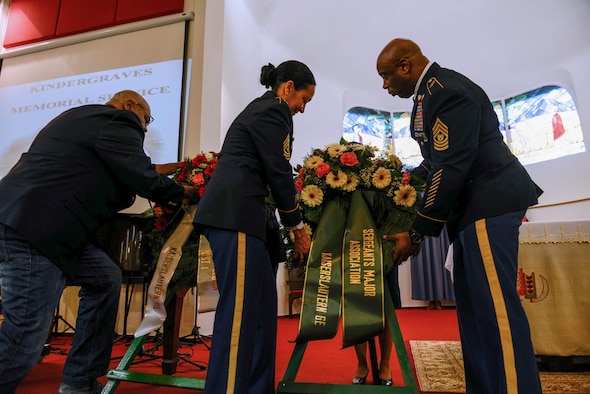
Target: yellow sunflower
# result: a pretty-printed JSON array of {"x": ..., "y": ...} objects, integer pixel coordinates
[
  {"x": 313, "y": 161},
  {"x": 312, "y": 196},
  {"x": 336, "y": 180},
  {"x": 397, "y": 163},
  {"x": 406, "y": 196},
  {"x": 335, "y": 150},
  {"x": 381, "y": 178},
  {"x": 352, "y": 181}
]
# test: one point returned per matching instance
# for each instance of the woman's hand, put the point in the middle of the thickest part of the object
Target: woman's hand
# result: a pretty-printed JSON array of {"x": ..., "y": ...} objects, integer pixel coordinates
[{"x": 301, "y": 245}]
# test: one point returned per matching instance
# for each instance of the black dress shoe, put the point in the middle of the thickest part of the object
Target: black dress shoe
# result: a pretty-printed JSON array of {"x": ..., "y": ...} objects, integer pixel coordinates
[{"x": 362, "y": 380}]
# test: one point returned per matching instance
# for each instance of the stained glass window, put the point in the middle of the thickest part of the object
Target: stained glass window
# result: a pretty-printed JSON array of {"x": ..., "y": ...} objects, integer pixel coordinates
[
  {"x": 539, "y": 125},
  {"x": 543, "y": 124}
]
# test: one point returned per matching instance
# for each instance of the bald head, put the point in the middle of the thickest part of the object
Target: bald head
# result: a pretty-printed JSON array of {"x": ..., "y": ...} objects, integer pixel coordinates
[
  {"x": 132, "y": 95},
  {"x": 400, "y": 64},
  {"x": 133, "y": 101}
]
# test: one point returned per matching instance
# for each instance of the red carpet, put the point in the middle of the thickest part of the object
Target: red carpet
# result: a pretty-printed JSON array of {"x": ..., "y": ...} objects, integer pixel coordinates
[{"x": 323, "y": 362}]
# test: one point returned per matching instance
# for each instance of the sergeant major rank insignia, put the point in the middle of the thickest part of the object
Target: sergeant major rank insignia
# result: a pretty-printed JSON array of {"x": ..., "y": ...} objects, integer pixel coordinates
[
  {"x": 440, "y": 135},
  {"x": 287, "y": 147}
]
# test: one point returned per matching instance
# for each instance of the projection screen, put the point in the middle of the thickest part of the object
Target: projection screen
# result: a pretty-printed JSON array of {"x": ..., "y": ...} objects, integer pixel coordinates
[{"x": 36, "y": 87}]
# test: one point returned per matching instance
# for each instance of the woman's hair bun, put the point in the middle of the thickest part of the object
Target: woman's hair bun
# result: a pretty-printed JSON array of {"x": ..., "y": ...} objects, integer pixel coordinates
[{"x": 268, "y": 75}]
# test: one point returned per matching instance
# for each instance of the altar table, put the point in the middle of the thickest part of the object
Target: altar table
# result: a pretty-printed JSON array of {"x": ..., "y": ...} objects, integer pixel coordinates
[{"x": 554, "y": 285}]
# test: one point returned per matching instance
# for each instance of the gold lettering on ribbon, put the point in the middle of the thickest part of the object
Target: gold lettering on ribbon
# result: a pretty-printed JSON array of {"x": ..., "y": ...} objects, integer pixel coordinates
[
  {"x": 355, "y": 262},
  {"x": 323, "y": 294},
  {"x": 370, "y": 287},
  {"x": 162, "y": 275},
  {"x": 361, "y": 258}
]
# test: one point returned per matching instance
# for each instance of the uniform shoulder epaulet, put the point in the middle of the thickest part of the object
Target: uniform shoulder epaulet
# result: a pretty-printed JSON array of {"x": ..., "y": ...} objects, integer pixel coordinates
[{"x": 433, "y": 85}]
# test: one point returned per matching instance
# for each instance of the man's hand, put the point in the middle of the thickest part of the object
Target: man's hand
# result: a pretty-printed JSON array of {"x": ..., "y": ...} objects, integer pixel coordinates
[
  {"x": 301, "y": 245},
  {"x": 167, "y": 169},
  {"x": 191, "y": 193},
  {"x": 404, "y": 247}
]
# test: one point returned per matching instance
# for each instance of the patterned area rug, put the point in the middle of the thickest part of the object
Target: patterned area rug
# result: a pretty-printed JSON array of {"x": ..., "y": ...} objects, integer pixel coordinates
[{"x": 439, "y": 369}]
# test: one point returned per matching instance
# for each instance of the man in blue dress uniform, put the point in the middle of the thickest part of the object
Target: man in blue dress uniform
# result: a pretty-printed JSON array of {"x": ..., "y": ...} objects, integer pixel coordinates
[{"x": 481, "y": 192}]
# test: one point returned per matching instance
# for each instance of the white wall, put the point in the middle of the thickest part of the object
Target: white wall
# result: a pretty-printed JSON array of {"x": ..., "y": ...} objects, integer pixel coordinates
[{"x": 507, "y": 47}]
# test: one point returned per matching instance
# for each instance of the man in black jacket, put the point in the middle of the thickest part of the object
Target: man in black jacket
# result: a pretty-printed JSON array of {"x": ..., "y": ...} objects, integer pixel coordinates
[
  {"x": 481, "y": 192},
  {"x": 83, "y": 167}
]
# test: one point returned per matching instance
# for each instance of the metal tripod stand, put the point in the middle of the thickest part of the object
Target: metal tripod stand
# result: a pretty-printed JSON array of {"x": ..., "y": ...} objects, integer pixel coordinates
[
  {"x": 195, "y": 337},
  {"x": 55, "y": 324}
]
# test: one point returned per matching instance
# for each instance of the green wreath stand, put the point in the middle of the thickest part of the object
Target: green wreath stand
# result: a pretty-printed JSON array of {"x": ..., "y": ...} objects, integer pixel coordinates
[
  {"x": 289, "y": 385},
  {"x": 344, "y": 244},
  {"x": 122, "y": 373},
  {"x": 183, "y": 279}
]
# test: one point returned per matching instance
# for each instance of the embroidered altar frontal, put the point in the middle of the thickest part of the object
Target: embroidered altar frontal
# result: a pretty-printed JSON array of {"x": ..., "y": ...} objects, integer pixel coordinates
[{"x": 554, "y": 283}]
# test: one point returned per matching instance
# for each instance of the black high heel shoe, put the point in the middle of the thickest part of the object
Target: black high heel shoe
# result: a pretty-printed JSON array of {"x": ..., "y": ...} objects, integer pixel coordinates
[
  {"x": 362, "y": 380},
  {"x": 386, "y": 382}
]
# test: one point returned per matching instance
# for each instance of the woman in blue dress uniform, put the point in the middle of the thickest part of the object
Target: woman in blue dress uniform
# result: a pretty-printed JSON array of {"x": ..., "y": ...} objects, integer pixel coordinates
[
  {"x": 232, "y": 215},
  {"x": 481, "y": 192}
]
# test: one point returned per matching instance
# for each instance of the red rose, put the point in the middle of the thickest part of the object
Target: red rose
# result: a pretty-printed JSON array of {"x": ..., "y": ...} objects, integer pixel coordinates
[
  {"x": 209, "y": 170},
  {"x": 322, "y": 170},
  {"x": 301, "y": 172},
  {"x": 161, "y": 224},
  {"x": 183, "y": 175},
  {"x": 198, "y": 160},
  {"x": 349, "y": 159},
  {"x": 158, "y": 211},
  {"x": 406, "y": 178},
  {"x": 198, "y": 179},
  {"x": 298, "y": 185}
]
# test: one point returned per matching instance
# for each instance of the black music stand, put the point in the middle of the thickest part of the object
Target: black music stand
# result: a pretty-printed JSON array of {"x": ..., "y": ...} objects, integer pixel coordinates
[
  {"x": 122, "y": 238},
  {"x": 55, "y": 324},
  {"x": 195, "y": 337}
]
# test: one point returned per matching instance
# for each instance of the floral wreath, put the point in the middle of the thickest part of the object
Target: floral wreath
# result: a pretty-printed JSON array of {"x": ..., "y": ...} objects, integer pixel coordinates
[
  {"x": 339, "y": 169},
  {"x": 194, "y": 171}
]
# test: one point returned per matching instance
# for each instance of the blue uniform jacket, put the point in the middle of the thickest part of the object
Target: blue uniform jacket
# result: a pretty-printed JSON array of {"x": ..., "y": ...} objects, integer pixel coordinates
[
  {"x": 254, "y": 157},
  {"x": 471, "y": 173}
]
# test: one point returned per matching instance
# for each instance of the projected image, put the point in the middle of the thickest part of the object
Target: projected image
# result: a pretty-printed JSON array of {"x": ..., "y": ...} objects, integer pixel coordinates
[
  {"x": 499, "y": 110},
  {"x": 406, "y": 148},
  {"x": 368, "y": 126},
  {"x": 543, "y": 124},
  {"x": 26, "y": 108},
  {"x": 383, "y": 130}
]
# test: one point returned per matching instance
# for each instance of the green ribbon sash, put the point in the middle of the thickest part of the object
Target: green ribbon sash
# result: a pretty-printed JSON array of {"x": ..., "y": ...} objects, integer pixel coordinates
[
  {"x": 320, "y": 307},
  {"x": 362, "y": 309},
  {"x": 345, "y": 262}
]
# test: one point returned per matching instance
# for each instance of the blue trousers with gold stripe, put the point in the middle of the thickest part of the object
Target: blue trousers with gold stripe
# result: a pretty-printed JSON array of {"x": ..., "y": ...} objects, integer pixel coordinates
[
  {"x": 243, "y": 348},
  {"x": 495, "y": 336}
]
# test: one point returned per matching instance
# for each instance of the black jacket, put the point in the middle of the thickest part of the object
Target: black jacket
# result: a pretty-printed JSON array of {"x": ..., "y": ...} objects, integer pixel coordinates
[{"x": 83, "y": 167}]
